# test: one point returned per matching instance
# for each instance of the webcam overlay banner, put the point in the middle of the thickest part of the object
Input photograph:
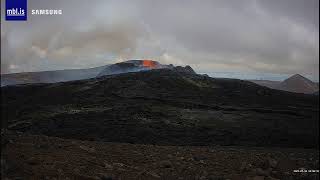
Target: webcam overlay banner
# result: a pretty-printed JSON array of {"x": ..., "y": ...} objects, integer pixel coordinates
[{"x": 17, "y": 10}]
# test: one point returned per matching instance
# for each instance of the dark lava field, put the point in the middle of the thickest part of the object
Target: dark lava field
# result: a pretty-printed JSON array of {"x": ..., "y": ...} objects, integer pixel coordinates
[{"x": 164, "y": 107}]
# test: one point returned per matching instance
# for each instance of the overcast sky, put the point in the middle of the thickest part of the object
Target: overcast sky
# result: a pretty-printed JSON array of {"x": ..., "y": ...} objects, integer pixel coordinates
[{"x": 242, "y": 36}]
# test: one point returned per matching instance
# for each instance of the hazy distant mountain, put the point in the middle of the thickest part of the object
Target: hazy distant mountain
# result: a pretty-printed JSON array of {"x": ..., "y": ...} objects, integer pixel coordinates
[
  {"x": 295, "y": 83},
  {"x": 298, "y": 84},
  {"x": 50, "y": 76}
]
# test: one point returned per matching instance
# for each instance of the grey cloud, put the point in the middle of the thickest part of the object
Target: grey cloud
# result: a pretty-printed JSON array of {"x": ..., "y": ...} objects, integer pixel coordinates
[
  {"x": 268, "y": 41},
  {"x": 273, "y": 36}
]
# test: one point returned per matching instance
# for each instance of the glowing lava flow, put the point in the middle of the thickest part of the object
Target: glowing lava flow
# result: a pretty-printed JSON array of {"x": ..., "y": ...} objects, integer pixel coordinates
[{"x": 149, "y": 63}]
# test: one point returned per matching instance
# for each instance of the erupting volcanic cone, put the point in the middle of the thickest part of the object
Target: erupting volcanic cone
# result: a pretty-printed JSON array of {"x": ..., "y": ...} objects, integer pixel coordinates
[{"x": 149, "y": 63}]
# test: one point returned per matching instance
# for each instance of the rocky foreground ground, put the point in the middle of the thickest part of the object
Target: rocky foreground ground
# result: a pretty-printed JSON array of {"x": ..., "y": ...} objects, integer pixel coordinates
[
  {"x": 163, "y": 124},
  {"x": 42, "y": 157}
]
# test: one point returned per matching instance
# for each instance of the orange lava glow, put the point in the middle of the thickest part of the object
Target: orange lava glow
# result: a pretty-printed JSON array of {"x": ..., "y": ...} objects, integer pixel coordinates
[{"x": 149, "y": 63}]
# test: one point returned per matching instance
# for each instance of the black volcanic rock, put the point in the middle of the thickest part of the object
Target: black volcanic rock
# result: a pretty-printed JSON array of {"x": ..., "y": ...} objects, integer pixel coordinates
[
  {"x": 186, "y": 69},
  {"x": 165, "y": 107}
]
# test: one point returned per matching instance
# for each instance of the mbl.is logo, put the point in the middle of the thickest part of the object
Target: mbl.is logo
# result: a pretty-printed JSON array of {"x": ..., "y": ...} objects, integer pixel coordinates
[{"x": 16, "y": 10}]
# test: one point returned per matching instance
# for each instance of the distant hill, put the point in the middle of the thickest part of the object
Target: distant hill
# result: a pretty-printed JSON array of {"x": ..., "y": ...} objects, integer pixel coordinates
[
  {"x": 295, "y": 83},
  {"x": 49, "y": 76},
  {"x": 298, "y": 84}
]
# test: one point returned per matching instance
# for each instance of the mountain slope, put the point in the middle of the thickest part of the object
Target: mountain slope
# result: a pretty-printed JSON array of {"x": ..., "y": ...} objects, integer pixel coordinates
[
  {"x": 50, "y": 76},
  {"x": 165, "y": 107},
  {"x": 295, "y": 83},
  {"x": 267, "y": 83},
  {"x": 298, "y": 84}
]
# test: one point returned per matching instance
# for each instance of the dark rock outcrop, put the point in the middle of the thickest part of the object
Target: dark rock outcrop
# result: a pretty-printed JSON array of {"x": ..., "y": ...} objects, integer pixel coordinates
[{"x": 186, "y": 69}]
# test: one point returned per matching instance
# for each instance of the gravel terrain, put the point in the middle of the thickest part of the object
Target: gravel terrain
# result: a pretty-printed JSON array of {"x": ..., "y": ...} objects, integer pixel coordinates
[{"x": 41, "y": 157}]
